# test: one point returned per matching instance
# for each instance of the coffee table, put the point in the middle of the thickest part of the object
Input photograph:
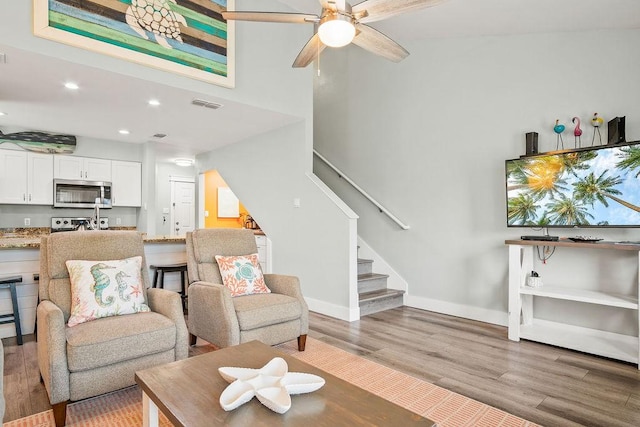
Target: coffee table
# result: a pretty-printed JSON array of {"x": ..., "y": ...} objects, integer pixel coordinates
[{"x": 188, "y": 392}]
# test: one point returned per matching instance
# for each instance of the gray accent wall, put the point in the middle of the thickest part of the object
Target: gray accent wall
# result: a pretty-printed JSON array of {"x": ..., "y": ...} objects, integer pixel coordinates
[{"x": 428, "y": 138}]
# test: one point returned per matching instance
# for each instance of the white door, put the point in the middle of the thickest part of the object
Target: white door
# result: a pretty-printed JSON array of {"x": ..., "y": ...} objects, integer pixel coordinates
[{"x": 183, "y": 207}]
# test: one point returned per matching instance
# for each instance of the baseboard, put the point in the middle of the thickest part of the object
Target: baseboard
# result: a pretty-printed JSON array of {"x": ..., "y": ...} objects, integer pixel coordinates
[
  {"x": 332, "y": 310},
  {"x": 458, "y": 310}
]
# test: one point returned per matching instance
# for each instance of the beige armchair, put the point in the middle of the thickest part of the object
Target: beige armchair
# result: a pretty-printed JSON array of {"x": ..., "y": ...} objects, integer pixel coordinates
[
  {"x": 102, "y": 355},
  {"x": 222, "y": 320}
]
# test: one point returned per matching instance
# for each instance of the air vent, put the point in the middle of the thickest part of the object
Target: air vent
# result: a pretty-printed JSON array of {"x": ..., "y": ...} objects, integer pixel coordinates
[
  {"x": 159, "y": 135},
  {"x": 206, "y": 104}
]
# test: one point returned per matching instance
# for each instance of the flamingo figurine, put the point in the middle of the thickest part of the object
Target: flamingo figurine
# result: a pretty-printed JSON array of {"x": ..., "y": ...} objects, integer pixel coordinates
[
  {"x": 577, "y": 133},
  {"x": 558, "y": 129},
  {"x": 596, "y": 122}
]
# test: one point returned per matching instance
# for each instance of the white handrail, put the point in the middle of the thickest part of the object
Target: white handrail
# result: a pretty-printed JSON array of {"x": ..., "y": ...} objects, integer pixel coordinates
[{"x": 364, "y": 193}]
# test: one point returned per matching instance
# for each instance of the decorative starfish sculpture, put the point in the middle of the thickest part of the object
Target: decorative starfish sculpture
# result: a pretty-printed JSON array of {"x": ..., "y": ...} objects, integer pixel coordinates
[{"x": 272, "y": 384}]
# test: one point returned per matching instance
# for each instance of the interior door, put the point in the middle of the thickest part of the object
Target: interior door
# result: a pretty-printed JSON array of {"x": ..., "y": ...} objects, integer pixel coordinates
[{"x": 183, "y": 207}]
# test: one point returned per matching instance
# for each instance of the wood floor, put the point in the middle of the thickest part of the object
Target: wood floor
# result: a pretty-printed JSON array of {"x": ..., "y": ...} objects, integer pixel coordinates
[{"x": 544, "y": 384}]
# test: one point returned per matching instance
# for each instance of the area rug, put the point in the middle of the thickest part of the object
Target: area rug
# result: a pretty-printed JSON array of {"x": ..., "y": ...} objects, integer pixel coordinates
[{"x": 448, "y": 409}]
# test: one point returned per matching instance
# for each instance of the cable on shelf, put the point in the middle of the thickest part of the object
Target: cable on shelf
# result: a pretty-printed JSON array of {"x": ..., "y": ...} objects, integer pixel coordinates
[{"x": 547, "y": 252}]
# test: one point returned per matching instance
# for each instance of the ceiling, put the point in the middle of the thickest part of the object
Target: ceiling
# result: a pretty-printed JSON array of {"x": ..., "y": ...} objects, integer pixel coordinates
[{"x": 103, "y": 105}]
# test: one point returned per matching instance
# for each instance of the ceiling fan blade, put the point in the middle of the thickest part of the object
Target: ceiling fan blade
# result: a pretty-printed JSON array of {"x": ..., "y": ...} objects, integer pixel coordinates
[
  {"x": 288, "y": 18},
  {"x": 376, "y": 42},
  {"x": 309, "y": 52},
  {"x": 378, "y": 10},
  {"x": 327, "y": 5}
]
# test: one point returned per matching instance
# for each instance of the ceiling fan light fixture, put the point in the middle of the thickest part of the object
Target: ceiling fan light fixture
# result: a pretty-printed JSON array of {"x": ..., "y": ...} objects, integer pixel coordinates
[{"x": 336, "y": 30}]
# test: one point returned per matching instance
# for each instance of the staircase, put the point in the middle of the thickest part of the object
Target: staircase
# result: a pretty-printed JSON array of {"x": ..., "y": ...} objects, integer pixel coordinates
[{"x": 373, "y": 292}]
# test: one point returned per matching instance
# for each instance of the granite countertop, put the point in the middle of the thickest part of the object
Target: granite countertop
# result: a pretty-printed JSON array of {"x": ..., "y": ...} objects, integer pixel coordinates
[{"x": 29, "y": 238}]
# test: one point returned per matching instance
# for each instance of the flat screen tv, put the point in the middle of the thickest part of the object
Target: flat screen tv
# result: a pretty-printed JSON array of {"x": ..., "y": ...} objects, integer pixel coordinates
[{"x": 594, "y": 187}]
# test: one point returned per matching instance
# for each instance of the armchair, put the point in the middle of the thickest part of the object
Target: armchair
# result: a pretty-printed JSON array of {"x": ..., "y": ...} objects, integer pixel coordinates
[
  {"x": 223, "y": 320},
  {"x": 101, "y": 355}
]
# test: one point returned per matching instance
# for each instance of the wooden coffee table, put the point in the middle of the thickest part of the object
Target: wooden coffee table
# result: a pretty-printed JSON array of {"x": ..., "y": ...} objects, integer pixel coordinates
[{"x": 188, "y": 392}]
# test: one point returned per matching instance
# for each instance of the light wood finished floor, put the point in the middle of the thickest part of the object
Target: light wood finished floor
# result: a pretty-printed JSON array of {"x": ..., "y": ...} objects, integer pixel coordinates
[{"x": 547, "y": 385}]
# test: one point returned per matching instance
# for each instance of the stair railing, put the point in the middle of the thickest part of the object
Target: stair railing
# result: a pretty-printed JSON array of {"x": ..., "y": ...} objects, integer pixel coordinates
[{"x": 361, "y": 191}]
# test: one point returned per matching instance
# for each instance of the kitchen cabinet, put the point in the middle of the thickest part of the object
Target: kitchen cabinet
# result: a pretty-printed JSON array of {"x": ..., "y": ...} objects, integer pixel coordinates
[
  {"x": 126, "y": 183},
  {"x": 264, "y": 249},
  {"x": 26, "y": 178},
  {"x": 87, "y": 168}
]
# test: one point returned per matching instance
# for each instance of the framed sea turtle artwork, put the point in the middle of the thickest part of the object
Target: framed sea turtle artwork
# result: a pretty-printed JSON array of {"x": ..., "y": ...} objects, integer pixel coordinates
[{"x": 187, "y": 37}]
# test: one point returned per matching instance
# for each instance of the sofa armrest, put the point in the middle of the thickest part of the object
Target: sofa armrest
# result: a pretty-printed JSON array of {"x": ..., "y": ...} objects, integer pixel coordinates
[
  {"x": 282, "y": 284},
  {"x": 169, "y": 304},
  {"x": 212, "y": 316},
  {"x": 52, "y": 351},
  {"x": 289, "y": 285}
]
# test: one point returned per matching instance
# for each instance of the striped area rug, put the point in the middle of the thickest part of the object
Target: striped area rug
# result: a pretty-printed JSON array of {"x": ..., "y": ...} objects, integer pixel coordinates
[{"x": 448, "y": 409}]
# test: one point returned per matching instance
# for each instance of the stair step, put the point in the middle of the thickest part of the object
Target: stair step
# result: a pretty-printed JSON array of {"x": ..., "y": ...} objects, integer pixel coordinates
[
  {"x": 370, "y": 282},
  {"x": 376, "y": 301},
  {"x": 365, "y": 266}
]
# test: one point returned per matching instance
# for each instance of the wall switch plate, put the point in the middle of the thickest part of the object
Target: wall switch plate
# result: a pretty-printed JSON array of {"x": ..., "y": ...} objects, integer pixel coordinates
[
  {"x": 206, "y": 214},
  {"x": 118, "y": 221},
  {"x": 27, "y": 221},
  {"x": 296, "y": 202},
  {"x": 165, "y": 210}
]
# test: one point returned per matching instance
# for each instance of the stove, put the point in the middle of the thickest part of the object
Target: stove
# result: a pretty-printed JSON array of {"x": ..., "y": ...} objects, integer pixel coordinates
[{"x": 71, "y": 224}]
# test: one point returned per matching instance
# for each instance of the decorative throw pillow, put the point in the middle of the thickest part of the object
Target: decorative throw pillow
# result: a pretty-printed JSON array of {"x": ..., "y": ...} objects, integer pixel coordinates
[
  {"x": 242, "y": 274},
  {"x": 105, "y": 288}
]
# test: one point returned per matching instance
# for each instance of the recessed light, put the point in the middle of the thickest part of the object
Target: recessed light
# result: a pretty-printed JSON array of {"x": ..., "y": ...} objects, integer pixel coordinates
[
  {"x": 183, "y": 162},
  {"x": 154, "y": 102},
  {"x": 124, "y": 132},
  {"x": 71, "y": 85},
  {"x": 2, "y": 113}
]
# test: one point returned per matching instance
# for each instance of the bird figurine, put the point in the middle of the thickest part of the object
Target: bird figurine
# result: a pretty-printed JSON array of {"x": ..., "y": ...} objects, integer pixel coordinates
[
  {"x": 558, "y": 129},
  {"x": 577, "y": 133},
  {"x": 596, "y": 122}
]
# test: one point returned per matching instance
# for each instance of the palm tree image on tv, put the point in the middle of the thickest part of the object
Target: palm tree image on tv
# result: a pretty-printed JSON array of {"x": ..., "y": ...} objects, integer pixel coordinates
[{"x": 590, "y": 188}]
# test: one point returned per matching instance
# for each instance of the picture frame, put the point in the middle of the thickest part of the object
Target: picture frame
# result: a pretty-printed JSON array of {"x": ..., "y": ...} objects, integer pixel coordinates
[
  {"x": 228, "y": 203},
  {"x": 190, "y": 39}
]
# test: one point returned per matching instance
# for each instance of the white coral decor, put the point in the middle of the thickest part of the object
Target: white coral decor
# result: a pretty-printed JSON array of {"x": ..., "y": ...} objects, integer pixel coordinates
[{"x": 272, "y": 384}]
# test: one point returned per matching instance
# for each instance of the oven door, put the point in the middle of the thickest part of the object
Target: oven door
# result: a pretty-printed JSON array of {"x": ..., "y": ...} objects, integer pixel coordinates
[{"x": 81, "y": 194}]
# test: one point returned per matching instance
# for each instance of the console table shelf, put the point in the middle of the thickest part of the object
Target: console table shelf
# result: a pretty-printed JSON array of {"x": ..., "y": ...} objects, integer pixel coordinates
[
  {"x": 583, "y": 295},
  {"x": 607, "y": 344},
  {"x": 523, "y": 324}
]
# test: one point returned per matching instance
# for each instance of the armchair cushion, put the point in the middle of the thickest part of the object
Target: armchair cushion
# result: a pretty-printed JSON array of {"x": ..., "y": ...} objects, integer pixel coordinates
[
  {"x": 259, "y": 310},
  {"x": 118, "y": 339},
  {"x": 242, "y": 274},
  {"x": 105, "y": 288}
]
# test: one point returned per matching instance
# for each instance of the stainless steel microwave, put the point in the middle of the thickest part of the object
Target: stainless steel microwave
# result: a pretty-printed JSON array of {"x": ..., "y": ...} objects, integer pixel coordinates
[{"x": 81, "y": 194}]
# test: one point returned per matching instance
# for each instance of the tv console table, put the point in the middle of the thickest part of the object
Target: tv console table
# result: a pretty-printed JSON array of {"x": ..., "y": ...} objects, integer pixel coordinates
[{"x": 523, "y": 324}]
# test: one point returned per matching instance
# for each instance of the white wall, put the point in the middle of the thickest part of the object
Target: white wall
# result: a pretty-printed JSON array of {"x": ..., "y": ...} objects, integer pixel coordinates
[
  {"x": 316, "y": 241},
  {"x": 428, "y": 138}
]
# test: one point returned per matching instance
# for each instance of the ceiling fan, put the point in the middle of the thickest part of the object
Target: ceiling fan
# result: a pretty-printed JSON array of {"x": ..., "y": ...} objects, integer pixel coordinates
[{"x": 340, "y": 24}]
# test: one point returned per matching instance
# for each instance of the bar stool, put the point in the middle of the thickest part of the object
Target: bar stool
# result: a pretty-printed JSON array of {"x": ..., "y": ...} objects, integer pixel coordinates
[
  {"x": 10, "y": 283},
  {"x": 158, "y": 277}
]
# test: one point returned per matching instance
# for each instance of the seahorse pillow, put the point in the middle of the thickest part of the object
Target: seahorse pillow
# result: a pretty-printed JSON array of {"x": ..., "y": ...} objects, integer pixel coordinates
[
  {"x": 242, "y": 274},
  {"x": 105, "y": 288}
]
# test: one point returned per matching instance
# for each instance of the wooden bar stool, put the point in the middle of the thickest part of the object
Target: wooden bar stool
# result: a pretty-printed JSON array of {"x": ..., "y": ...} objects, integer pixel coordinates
[
  {"x": 10, "y": 283},
  {"x": 160, "y": 270}
]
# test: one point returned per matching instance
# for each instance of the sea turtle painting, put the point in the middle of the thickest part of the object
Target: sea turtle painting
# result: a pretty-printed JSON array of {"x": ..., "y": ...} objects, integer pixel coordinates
[{"x": 156, "y": 17}]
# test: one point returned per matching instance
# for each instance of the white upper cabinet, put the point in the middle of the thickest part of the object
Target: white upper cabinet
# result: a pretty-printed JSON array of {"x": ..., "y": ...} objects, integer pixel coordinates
[
  {"x": 126, "y": 183},
  {"x": 86, "y": 168},
  {"x": 26, "y": 178}
]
